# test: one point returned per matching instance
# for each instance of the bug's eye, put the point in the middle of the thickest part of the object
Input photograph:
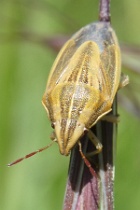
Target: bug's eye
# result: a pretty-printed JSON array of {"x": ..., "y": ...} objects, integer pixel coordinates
[{"x": 52, "y": 125}]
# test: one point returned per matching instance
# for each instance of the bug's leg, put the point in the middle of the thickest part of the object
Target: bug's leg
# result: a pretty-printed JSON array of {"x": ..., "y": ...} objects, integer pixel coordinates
[
  {"x": 123, "y": 81},
  {"x": 111, "y": 118},
  {"x": 92, "y": 171},
  {"x": 96, "y": 143}
]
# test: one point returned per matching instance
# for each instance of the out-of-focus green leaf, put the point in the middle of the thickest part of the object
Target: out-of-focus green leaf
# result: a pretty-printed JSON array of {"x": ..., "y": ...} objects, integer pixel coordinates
[{"x": 39, "y": 183}]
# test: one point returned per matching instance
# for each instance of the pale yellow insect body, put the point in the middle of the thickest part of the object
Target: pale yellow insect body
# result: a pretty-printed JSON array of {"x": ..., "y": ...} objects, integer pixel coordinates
[{"x": 82, "y": 83}]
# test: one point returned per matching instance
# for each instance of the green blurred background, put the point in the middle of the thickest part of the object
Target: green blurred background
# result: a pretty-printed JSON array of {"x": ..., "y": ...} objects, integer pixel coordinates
[{"x": 25, "y": 61}]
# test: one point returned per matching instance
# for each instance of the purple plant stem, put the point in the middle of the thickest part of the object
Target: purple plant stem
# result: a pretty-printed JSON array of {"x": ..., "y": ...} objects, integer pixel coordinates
[
  {"x": 80, "y": 184},
  {"x": 104, "y": 14}
]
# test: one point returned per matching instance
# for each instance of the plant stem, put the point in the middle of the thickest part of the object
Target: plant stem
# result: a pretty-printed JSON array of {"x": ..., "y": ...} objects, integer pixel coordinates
[{"x": 104, "y": 14}]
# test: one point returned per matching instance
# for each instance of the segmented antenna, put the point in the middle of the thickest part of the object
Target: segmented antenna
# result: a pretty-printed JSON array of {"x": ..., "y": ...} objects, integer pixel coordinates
[{"x": 30, "y": 154}]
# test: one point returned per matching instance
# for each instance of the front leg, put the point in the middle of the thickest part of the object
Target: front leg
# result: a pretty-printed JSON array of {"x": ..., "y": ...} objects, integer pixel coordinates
[{"x": 96, "y": 142}]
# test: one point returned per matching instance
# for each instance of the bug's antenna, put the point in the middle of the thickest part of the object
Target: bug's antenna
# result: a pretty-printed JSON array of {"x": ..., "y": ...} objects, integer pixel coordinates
[
  {"x": 104, "y": 14},
  {"x": 31, "y": 154}
]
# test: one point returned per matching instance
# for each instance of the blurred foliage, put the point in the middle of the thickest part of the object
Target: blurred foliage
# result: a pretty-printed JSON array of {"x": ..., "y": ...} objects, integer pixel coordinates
[{"x": 25, "y": 61}]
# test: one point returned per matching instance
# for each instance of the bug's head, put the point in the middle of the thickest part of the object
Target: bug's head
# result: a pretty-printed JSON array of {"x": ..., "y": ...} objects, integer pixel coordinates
[{"x": 67, "y": 134}]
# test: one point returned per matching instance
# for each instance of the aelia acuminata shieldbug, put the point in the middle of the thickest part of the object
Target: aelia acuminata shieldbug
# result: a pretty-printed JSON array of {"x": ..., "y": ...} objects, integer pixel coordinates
[{"x": 82, "y": 84}]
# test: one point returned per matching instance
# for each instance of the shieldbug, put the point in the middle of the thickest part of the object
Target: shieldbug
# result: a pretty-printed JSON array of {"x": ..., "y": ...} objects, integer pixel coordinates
[{"x": 82, "y": 85}]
